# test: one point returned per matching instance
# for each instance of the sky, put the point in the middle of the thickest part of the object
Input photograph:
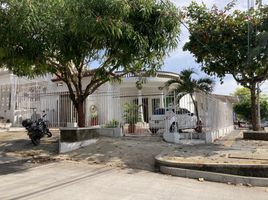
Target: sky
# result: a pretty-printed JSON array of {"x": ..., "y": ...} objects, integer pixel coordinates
[{"x": 179, "y": 60}]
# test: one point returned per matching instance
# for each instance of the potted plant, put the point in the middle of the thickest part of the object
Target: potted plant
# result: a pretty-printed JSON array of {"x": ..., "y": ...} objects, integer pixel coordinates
[
  {"x": 131, "y": 116},
  {"x": 112, "y": 124},
  {"x": 94, "y": 119}
]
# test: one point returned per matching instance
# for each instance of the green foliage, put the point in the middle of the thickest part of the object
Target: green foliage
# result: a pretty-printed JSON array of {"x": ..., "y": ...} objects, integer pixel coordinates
[
  {"x": 131, "y": 113},
  {"x": 231, "y": 42},
  {"x": 112, "y": 124},
  {"x": 243, "y": 107},
  {"x": 219, "y": 40},
  {"x": 67, "y": 37},
  {"x": 94, "y": 115},
  {"x": 63, "y": 35},
  {"x": 186, "y": 84}
]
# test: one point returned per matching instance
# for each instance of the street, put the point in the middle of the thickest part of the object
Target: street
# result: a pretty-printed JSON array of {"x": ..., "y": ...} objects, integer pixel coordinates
[{"x": 71, "y": 180}]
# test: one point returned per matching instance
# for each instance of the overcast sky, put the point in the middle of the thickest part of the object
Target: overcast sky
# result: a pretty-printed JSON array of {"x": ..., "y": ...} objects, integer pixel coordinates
[{"x": 179, "y": 60}]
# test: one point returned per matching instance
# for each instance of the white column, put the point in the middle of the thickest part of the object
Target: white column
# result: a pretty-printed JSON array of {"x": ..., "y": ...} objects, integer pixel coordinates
[
  {"x": 13, "y": 91},
  {"x": 162, "y": 99},
  {"x": 110, "y": 104},
  {"x": 140, "y": 106}
]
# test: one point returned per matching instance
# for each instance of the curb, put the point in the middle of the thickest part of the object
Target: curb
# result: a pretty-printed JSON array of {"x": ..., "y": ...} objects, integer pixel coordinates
[
  {"x": 161, "y": 162},
  {"x": 215, "y": 177}
]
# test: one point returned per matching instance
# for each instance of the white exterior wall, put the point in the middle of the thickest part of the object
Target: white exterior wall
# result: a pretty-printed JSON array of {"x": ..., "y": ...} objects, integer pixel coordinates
[{"x": 216, "y": 115}]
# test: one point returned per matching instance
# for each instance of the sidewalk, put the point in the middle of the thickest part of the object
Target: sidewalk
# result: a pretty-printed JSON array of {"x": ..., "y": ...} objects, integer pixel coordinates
[{"x": 69, "y": 180}]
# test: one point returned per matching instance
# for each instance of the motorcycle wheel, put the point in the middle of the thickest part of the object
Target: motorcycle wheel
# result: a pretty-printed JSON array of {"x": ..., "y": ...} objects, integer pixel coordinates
[
  {"x": 35, "y": 140},
  {"x": 49, "y": 134}
]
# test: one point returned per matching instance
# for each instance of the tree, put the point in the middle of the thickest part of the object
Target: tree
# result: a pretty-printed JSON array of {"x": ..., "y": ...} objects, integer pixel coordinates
[
  {"x": 231, "y": 42},
  {"x": 67, "y": 37},
  {"x": 242, "y": 108},
  {"x": 186, "y": 84}
]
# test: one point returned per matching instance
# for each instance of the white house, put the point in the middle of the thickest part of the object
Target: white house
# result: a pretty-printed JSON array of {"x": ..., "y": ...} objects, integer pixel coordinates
[{"x": 21, "y": 97}]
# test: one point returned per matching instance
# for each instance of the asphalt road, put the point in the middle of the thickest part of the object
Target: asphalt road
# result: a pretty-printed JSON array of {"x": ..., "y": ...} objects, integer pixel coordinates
[{"x": 67, "y": 180}]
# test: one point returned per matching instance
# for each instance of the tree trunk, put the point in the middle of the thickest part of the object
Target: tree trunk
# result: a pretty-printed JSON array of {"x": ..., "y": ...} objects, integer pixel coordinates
[
  {"x": 80, "y": 113},
  {"x": 195, "y": 108},
  {"x": 254, "y": 110},
  {"x": 199, "y": 123}
]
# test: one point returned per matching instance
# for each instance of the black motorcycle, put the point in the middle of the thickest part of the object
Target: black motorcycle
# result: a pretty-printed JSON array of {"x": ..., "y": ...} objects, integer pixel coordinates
[{"x": 36, "y": 129}]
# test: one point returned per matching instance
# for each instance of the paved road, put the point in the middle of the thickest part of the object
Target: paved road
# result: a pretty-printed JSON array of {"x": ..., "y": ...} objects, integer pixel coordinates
[{"x": 79, "y": 181}]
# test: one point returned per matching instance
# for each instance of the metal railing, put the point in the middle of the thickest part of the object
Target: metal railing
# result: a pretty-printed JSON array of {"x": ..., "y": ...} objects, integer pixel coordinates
[{"x": 136, "y": 112}]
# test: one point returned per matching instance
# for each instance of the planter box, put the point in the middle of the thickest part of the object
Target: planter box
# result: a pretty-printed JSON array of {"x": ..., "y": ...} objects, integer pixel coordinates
[
  {"x": 78, "y": 134},
  {"x": 71, "y": 124},
  {"x": 255, "y": 135},
  {"x": 75, "y": 138},
  {"x": 110, "y": 132}
]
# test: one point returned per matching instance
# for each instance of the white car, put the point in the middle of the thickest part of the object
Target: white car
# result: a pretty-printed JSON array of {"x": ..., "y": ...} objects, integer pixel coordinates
[{"x": 183, "y": 119}]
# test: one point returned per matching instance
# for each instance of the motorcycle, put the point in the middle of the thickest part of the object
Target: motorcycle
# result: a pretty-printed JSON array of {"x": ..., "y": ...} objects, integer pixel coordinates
[{"x": 36, "y": 129}]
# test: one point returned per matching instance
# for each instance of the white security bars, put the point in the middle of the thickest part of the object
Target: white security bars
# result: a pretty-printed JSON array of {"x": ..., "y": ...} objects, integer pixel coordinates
[{"x": 137, "y": 112}]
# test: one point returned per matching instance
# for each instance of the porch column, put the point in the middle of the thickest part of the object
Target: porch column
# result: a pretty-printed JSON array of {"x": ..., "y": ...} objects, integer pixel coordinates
[
  {"x": 162, "y": 100},
  {"x": 140, "y": 106},
  {"x": 13, "y": 91},
  {"x": 110, "y": 103}
]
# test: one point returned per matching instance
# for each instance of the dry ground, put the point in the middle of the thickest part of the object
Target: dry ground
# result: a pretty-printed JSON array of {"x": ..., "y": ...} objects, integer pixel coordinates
[
  {"x": 136, "y": 153},
  {"x": 130, "y": 152},
  {"x": 231, "y": 149}
]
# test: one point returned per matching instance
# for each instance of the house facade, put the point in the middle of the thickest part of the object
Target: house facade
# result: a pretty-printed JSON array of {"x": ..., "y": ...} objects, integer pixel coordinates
[{"x": 21, "y": 98}]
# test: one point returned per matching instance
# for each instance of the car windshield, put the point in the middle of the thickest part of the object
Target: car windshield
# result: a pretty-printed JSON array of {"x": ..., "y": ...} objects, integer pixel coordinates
[{"x": 180, "y": 111}]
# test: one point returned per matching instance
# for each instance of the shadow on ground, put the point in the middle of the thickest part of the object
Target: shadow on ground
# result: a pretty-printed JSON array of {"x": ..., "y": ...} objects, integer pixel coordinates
[{"x": 18, "y": 153}]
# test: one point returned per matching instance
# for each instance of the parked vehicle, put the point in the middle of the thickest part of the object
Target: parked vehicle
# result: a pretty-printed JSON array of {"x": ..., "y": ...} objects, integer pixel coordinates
[
  {"x": 182, "y": 118},
  {"x": 36, "y": 129}
]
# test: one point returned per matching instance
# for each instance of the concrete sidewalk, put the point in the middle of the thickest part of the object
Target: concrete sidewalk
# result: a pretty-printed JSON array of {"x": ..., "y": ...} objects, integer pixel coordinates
[{"x": 68, "y": 180}]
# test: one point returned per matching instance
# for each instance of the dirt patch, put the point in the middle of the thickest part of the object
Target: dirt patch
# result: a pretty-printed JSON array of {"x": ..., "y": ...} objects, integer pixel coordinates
[
  {"x": 18, "y": 145},
  {"x": 17, "y": 153},
  {"x": 231, "y": 149},
  {"x": 136, "y": 154},
  {"x": 133, "y": 152}
]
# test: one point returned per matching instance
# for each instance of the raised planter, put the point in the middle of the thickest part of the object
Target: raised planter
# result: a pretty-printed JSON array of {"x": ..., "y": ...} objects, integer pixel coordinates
[
  {"x": 251, "y": 170},
  {"x": 255, "y": 135},
  {"x": 75, "y": 138},
  {"x": 110, "y": 132}
]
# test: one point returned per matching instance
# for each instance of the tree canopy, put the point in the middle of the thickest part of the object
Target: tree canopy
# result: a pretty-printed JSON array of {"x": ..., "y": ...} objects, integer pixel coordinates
[
  {"x": 69, "y": 38},
  {"x": 231, "y": 42}
]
